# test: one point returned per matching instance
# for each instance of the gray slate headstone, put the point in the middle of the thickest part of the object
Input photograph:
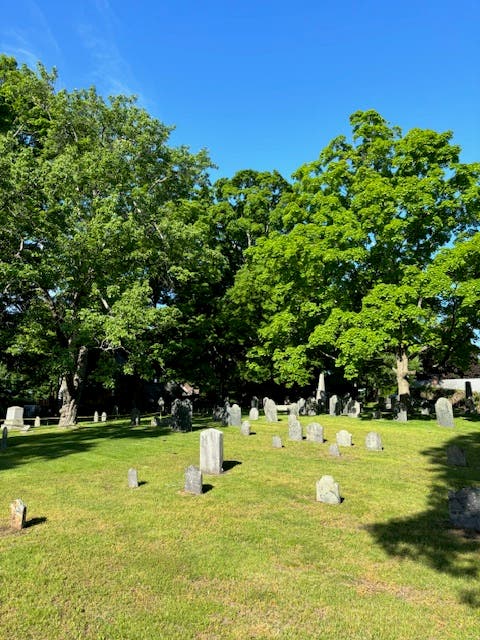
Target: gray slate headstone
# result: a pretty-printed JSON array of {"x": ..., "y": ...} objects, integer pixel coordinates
[
  {"x": 245, "y": 428},
  {"x": 456, "y": 456},
  {"x": 328, "y": 490},
  {"x": 182, "y": 415},
  {"x": 373, "y": 441},
  {"x": 464, "y": 508},
  {"x": 193, "y": 480},
  {"x": 132, "y": 478},
  {"x": 344, "y": 438},
  {"x": 277, "y": 442},
  {"x": 211, "y": 451},
  {"x": 334, "y": 405},
  {"x": 270, "y": 409},
  {"x": 4, "y": 438},
  {"x": 253, "y": 415},
  {"x": 18, "y": 514},
  {"x": 235, "y": 416},
  {"x": 315, "y": 432},
  {"x": 444, "y": 412},
  {"x": 334, "y": 450},
  {"x": 295, "y": 431}
]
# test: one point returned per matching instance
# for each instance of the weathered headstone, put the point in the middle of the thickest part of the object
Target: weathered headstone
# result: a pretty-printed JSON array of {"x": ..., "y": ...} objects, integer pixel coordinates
[
  {"x": 95, "y": 417},
  {"x": 425, "y": 408},
  {"x": 253, "y": 414},
  {"x": 295, "y": 431},
  {"x": 291, "y": 419},
  {"x": 311, "y": 407},
  {"x": 277, "y": 442},
  {"x": 334, "y": 406},
  {"x": 328, "y": 490},
  {"x": 37, "y": 422},
  {"x": 181, "y": 415},
  {"x": 344, "y": 438},
  {"x": 270, "y": 409},
  {"x": 14, "y": 419},
  {"x": 456, "y": 456},
  {"x": 4, "y": 438},
  {"x": 132, "y": 478},
  {"x": 245, "y": 428},
  {"x": 400, "y": 412},
  {"x": 315, "y": 432},
  {"x": 211, "y": 451},
  {"x": 235, "y": 416},
  {"x": 355, "y": 409},
  {"x": 334, "y": 450},
  {"x": 104, "y": 416},
  {"x": 293, "y": 409},
  {"x": 444, "y": 413},
  {"x": 464, "y": 508},
  {"x": 18, "y": 514},
  {"x": 373, "y": 441},
  {"x": 301, "y": 406},
  {"x": 193, "y": 480},
  {"x": 254, "y": 402}
]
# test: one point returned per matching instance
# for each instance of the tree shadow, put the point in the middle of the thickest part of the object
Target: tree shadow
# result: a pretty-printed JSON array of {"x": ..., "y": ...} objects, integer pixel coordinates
[{"x": 429, "y": 536}]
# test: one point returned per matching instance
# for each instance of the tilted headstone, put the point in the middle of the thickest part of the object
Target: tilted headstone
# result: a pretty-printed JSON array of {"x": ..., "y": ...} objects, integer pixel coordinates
[
  {"x": 456, "y": 456},
  {"x": 132, "y": 478},
  {"x": 14, "y": 419},
  {"x": 193, "y": 480},
  {"x": 373, "y": 441},
  {"x": 253, "y": 414},
  {"x": 18, "y": 514},
  {"x": 104, "y": 416},
  {"x": 328, "y": 490},
  {"x": 4, "y": 438},
  {"x": 444, "y": 413},
  {"x": 235, "y": 417},
  {"x": 277, "y": 442},
  {"x": 95, "y": 417},
  {"x": 295, "y": 431},
  {"x": 211, "y": 451},
  {"x": 181, "y": 415},
  {"x": 334, "y": 406},
  {"x": 37, "y": 422},
  {"x": 334, "y": 450},
  {"x": 464, "y": 508},
  {"x": 315, "y": 432},
  {"x": 245, "y": 428},
  {"x": 270, "y": 409},
  {"x": 344, "y": 438}
]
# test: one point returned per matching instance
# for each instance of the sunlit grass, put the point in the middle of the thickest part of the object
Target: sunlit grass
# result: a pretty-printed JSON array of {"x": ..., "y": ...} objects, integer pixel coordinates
[{"x": 255, "y": 556}]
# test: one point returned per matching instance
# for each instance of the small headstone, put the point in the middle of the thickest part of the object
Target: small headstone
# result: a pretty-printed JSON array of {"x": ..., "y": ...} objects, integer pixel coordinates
[
  {"x": 334, "y": 406},
  {"x": 245, "y": 428},
  {"x": 295, "y": 431},
  {"x": 253, "y": 415},
  {"x": 254, "y": 402},
  {"x": 14, "y": 419},
  {"x": 315, "y": 432},
  {"x": 334, "y": 450},
  {"x": 444, "y": 412},
  {"x": 373, "y": 441},
  {"x": 181, "y": 415},
  {"x": 104, "y": 416},
  {"x": 291, "y": 419},
  {"x": 4, "y": 438},
  {"x": 132, "y": 478},
  {"x": 277, "y": 442},
  {"x": 37, "y": 422},
  {"x": 344, "y": 438},
  {"x": 464, "y": 508},
  {"x": 311, "y": 407},
  {"x": 425, "y": 408},
  {"x": 456, "y": 456},
  {"x": 301, "y": 406},
  {"x": 153, "y": 421},
  {"x": 235, "y": 417},
  {"x": 270, "y": 409},
  {"x": 18, "y": 514},
  {"x": 293, "y": 409},
  {"x": 355, "y": 409},
  {"x": 211, "y": 451},
  {"x": 193, "y": 480},
  {"x": 400, "y": 412},
  {"x": 95, "y": 417},
  {"x": 328, "y": 490},
  {"x": 388, "y": 403}
]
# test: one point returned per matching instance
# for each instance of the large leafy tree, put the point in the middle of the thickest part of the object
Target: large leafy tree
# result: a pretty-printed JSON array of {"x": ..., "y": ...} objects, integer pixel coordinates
[
  {"x": 346, "y": 281},
  {"x": 100, "y": 230}
]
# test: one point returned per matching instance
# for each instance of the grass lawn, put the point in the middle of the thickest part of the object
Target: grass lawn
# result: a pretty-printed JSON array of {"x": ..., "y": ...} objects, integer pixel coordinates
[{"x": 255, "y": 556}]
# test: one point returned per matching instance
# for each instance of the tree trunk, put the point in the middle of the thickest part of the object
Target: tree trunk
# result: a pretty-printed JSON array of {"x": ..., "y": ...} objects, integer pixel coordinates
[
  {"x": 402, "y": 372},
  {"x": 71, "y": 390}
]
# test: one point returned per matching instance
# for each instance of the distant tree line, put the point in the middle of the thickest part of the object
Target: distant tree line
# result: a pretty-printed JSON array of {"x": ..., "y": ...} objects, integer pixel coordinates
[{"x": 119, "y": 257}]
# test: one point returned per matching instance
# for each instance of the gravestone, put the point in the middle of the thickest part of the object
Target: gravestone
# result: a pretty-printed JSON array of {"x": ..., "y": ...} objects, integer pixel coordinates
[
  {"x": 104, "y": 416},
  {"x": 468, "y": 389},
  {"x": 193, "y": 480},
  {"x": 456, "y": 456},
  {"x": 270, "y": 409},
  {"x": 253, "y": 414},
  {"x": 95, "y": 417},
  {"x": 464, "y": 508},
  {"x": 400, "y": 412},
  {"x": 334, "y": 406},
  {"x": 291, "y": 419},
  {"x": 373, "y": 441},
  {"x": 4, "y": 438},
  {"x": 135, "y": 417},
  {"x": 301, "y": 406},
  {"x": 334, "y": 450},
  {"x": 181, "y": 415},
  {"x": 293, "y": 409},
  {"x": 254, "y": 402},
  {"x": 444, "y": 413},
  {"x": 347, "y": 404},
  {"x": 235, "y": 416},
  {"x": 311, "y": 407},
  {"x": 211, "y": 451},
  {"x": 376, "y": 414},
  {"x": 388, "y": 403},
  {"x": 277, "y": 442},
  {"x": 344, "y": 438},
  {"x": 245, "y": 428},
  {"x": 38, "y": 422},
  {"x": 355, "y": 409},
  {"x": 425, "y": 408},
  {"x": 14, "y": 419},
  {"x": 295, "y": 431},
  {"x": 132, "y": 478},
  {"x": 314, "y": 432},
  {"x": 328, "y": 490},
  {"x": 18, "y": 514}
]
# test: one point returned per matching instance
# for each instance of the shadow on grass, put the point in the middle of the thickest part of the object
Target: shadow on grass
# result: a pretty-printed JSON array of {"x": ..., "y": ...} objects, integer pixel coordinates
[
  {"x": 230, "y": 464},
  {"x": 34, "y": 521},
  {"x": 428, "y": 537}
]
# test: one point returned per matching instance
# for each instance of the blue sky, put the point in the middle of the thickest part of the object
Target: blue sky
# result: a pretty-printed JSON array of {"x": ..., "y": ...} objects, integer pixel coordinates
[{"x": 264, "y": 84}]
